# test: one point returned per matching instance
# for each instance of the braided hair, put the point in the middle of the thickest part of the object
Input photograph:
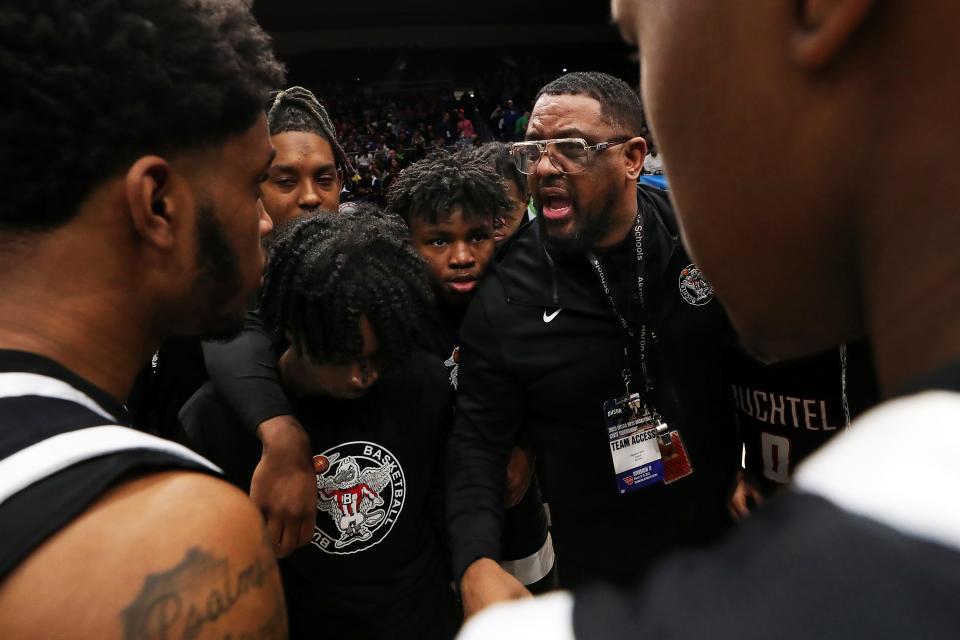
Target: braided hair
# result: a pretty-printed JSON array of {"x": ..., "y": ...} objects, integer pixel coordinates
[
  {"x": 619, "y": 102},
  {"x": 431, "y": 188},
  {"x": 297, "y": 109},
  {"x": 328, "y": 270}
]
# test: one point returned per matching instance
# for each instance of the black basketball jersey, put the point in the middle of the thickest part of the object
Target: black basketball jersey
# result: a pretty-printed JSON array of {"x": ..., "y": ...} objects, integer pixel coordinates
[
  {"x": 63, "y": 443},
  {"x": 786, "y": 411}
]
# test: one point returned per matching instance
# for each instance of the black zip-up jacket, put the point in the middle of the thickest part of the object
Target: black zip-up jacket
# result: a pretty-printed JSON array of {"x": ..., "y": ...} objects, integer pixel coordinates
[{"x": 523, "y": 365}]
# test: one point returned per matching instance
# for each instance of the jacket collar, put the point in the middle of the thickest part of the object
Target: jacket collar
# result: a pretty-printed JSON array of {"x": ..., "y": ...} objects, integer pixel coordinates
[{"x": 531, "y": 275}]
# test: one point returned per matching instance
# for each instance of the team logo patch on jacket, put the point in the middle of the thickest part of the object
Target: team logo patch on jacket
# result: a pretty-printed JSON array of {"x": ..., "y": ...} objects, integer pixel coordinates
[
  {"x": 694, "y": 288},
  {"x": 453, "y": 367},
  {"x": 361, "y": 489}
]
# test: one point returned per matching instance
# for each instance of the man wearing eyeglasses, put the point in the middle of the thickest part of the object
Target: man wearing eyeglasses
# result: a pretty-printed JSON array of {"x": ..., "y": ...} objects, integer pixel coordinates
[{"x": 597, "y": 335}]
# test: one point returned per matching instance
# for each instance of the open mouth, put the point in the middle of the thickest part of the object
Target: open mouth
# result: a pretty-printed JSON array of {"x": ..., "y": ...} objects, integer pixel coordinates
[{"x": 557, "y": 204}]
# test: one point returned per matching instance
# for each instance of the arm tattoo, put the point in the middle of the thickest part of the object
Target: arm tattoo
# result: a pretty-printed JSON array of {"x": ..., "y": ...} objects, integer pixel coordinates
[{"x": 183, "y": 602}]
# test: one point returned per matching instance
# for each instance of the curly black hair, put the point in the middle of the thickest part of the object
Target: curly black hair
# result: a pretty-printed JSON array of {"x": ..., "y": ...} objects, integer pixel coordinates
[
  {"x": 619, "y": 102},
  {"x": 298, "y": 109},
  {"x": 328, "y": 270},
  {"x": 432, "y": 187},
  {"x": 90, "y": 85},
  {"x": 498, "y": 155}
]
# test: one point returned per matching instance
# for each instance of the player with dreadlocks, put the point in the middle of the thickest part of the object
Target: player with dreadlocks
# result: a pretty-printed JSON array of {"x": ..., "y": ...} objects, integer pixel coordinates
[
  {"x": 305, "y": 177},
  {"x": 345, "y": 301},
  {"x": 450, "y": 203},
  {"x": 308, "y": 172}
]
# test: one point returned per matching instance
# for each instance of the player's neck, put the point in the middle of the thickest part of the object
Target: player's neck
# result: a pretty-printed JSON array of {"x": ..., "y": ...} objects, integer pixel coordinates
[
  {"x": 911, "y": 275},
  {"x": 97, "y": 334}
]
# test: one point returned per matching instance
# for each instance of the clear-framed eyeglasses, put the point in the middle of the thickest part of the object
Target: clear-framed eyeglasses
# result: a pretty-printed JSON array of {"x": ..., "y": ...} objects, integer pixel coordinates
[{"x": 567, "y": 155}]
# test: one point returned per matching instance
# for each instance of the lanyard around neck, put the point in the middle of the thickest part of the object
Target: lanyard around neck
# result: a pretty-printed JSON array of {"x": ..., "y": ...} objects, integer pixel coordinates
[{"x": 640, "y": 270}]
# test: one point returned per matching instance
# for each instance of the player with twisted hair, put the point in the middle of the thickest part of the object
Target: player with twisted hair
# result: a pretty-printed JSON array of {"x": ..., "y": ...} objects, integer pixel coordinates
[
  {"x": 320, "y": 284},
  {"x": 298, "y": 109},
  {"x": 346, "y": 300}
]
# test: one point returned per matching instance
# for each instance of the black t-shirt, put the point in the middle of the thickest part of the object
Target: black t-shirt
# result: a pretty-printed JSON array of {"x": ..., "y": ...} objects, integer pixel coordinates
[
  {"x": 375, "y": 567},
  {"x": 788, "y": 410}
]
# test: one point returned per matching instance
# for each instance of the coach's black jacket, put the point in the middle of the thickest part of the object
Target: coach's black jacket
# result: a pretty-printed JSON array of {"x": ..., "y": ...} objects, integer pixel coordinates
[{"x": 520, "y": 370}]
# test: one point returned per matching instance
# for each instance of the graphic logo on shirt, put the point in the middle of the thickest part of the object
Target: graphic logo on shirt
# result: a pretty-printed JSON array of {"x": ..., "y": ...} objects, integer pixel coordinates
[
  {"x": 453, "y": 367},
  {"x": 361, "y": 489},
  {"x": 693, "y": 286}
]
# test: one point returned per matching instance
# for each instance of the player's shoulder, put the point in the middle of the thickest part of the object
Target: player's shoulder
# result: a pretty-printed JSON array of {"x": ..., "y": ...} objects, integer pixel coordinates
[
  {"x": 148, "y": 551},
  {"x": 167, "y": 506},
  {"x": 150, "y": 557}
]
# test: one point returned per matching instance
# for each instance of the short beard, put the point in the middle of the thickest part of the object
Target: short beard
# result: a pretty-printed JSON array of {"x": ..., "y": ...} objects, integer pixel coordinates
[
  {"x": 220, "y": 278},
  {"x": 585, "y": 236}
]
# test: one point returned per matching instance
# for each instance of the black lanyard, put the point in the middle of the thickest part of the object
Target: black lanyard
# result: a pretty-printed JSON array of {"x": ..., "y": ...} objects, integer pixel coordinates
[{"x": 640, "y": 272}]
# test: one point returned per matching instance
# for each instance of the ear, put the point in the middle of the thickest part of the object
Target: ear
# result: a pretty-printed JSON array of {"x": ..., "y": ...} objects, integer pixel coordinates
[
  {"x": 150, "y": 201},
  {"x": 825, "y": 26},
  {"x": 635, "y": 150}
]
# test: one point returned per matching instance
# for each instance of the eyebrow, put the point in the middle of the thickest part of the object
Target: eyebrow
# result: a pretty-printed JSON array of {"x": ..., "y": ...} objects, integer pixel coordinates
[{"x": 289, "y": 168}]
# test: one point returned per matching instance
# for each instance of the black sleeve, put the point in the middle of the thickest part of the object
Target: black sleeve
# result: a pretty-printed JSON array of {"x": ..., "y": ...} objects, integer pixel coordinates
[
  {"x": 489, "y": 415},
  {"x": 213, "y": 431},
  {"x": 244, "y": 373}
]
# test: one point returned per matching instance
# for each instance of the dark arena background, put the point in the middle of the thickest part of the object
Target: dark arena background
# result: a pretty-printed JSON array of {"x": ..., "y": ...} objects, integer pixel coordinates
[{"x": 388, "y": 71}]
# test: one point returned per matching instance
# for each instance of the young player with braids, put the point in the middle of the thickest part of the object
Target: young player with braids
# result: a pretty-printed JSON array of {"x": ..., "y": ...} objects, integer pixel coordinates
[
  {"x": 451, "y": 203},
  {"x": 346, "y": 300},
  {"x": 307, "y": 174},
  {"x": 304, "y": 178}
]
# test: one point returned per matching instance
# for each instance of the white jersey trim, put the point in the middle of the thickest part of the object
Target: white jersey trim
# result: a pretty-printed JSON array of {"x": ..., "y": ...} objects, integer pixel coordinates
[
  {"x": 548, "y": 617},
  {"x": 534, "y": 567},
  {"x": 898, "y": 464},
  {"x": 47, "y": 457},
  {"x": 18, "y": 385}
]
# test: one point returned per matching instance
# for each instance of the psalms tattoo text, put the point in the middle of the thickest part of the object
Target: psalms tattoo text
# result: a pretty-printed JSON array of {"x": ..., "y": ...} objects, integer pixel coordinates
[{"x": 187, "y": 601}]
